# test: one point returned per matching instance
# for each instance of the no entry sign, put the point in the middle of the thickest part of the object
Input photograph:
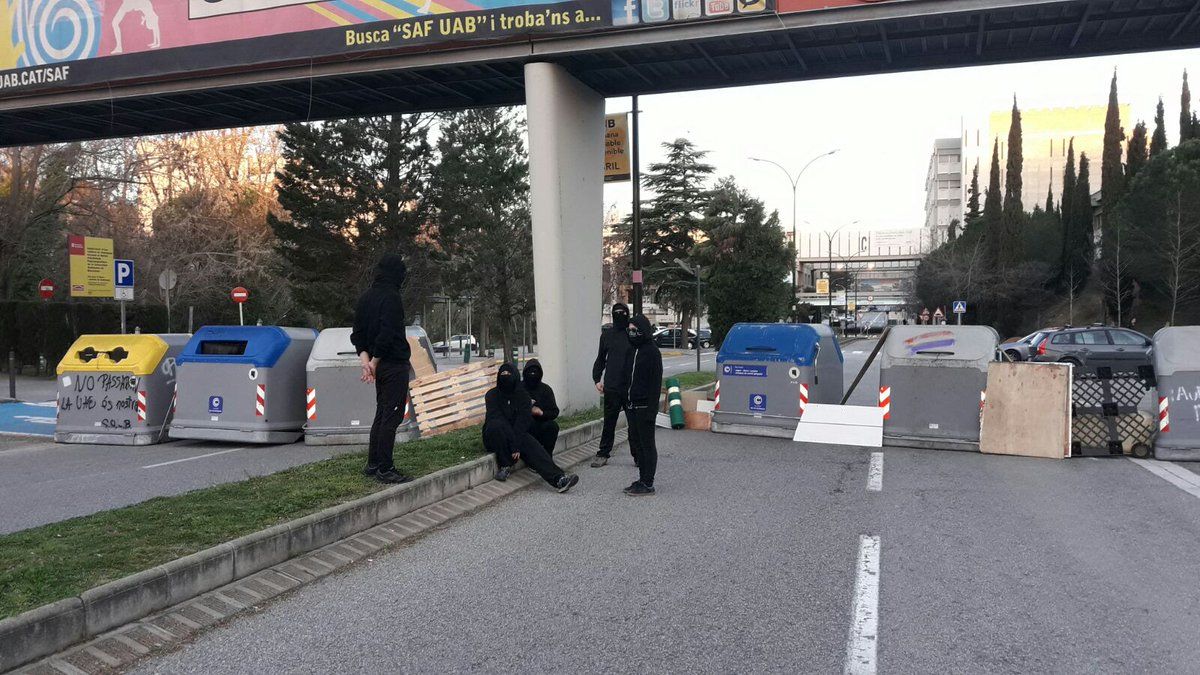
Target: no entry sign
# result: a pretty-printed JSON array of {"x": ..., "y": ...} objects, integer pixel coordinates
[
  {"x": 239, "y": 295},
  {"x": 46, "y": 289}
]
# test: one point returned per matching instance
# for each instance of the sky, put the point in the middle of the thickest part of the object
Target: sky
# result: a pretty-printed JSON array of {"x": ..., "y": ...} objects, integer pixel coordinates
[{"x": 883, "y": 127}]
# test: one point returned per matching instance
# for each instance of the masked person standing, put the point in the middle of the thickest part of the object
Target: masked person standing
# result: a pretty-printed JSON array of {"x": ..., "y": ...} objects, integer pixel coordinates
[
  {"x": 610, "y": 360},
  {"x": 382, "y": 346},
  {"x": 507, "y": 418},
  {"x": 545, "y": 409},
  {"x": 642, "y": 378}
]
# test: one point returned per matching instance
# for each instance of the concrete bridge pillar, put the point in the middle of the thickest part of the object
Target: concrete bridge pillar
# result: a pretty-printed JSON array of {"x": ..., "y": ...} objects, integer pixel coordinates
[{"x": 566, "y": 161}]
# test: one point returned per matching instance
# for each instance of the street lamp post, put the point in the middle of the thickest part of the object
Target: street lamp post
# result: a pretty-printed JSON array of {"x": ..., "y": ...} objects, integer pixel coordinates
[
  {"x": 694, "y": 269},
  {"x": 795, "y": 182},
  {"x": 829, "y": 251}
]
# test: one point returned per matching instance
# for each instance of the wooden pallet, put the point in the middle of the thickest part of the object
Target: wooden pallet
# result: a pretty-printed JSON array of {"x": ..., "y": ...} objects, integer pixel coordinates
[{"x": 452, "y": 399}]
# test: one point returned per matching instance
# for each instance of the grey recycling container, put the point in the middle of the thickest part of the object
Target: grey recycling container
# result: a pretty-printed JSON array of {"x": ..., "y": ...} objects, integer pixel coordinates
[
  {"x": 243, "y": 384},
  {"x": 933, "y": 378},
  {"x": 763, "y": 372},
  {"x": 339, "y": 406},
  {"x": 117, "y": 389},
  {"x": 1177, "y": 367}
]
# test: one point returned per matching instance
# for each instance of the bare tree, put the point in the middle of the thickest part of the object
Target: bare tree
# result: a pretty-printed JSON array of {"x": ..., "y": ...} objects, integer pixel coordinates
[{"x": 1179, "y": 253}]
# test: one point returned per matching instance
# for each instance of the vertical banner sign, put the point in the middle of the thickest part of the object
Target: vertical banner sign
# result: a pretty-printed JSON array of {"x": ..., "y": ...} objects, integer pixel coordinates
[
  {"x": 91, "y": 261},
  {"x": 616, "y": 147}
]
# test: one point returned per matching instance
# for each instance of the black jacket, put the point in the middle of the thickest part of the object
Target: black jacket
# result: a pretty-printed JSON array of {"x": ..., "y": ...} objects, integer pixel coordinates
[
  {"x": 379, "y": 317},
  {"x": 641, "y": 378},
  {"x": 507, "y": 408},
  {"x": 539, "y": 392},
  {"x": 614, "y": 344}
]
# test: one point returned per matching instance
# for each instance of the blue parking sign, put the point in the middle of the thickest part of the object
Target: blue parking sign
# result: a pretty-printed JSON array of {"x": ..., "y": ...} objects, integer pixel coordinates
[{"x": 123, "y": 273}]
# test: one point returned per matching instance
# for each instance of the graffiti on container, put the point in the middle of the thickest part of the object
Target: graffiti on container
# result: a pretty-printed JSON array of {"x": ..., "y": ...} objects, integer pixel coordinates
[
  {"x": 1183, "y": 394},
  {"x": 106, "y": 391}
]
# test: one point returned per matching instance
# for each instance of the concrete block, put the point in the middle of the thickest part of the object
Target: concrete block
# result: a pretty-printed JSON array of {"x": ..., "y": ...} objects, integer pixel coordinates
[
  {"x": 325, "y": 527},
  {"x": 125, "y": 600},
  {"x": 481, "y": 470},
  {"x": 396, "y": 502},
  {"x": 199, "y": 573},
  {"x": 40, "y": 632},
  {"x": 453, "y": 480},
  {"x": 259, "y": 550}
]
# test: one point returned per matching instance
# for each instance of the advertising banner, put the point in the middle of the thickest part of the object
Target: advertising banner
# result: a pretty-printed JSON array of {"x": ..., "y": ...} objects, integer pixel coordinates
[
  {"x": 91, "y": 265},
  {"x": 616, "y": 147}
]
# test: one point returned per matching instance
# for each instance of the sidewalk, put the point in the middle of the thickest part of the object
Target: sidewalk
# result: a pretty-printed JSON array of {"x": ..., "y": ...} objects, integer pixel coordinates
[{"x": 31, "y": 389}]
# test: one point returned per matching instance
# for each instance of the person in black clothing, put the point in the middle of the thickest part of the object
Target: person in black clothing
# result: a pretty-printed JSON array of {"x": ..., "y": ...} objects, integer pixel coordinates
[
  {"x": 382, "y": 346},
  {"x": 506, "y": 423},
  {"x": 614, "y": 343},
  {"x": 642, "y": 379},
  {"x": 545, "y": 409}
]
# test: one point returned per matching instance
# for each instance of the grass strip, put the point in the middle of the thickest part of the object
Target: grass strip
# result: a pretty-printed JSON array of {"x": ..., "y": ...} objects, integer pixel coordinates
[
  {"x": 61, "y": 560},
  {"x": 695, "y": 379}
]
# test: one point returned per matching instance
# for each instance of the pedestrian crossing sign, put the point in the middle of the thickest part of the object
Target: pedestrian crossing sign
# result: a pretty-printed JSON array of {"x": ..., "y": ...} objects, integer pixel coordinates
[{"x": 960, "y": 306}]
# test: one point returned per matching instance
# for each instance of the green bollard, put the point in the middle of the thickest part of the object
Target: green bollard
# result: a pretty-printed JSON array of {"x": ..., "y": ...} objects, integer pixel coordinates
[{"x": 674, "y": 403}]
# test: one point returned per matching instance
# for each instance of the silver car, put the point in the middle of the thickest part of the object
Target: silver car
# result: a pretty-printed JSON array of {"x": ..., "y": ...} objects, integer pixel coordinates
[
  {"x": 1094, "y": 346},
  {"x": 1024, "y": 348}
]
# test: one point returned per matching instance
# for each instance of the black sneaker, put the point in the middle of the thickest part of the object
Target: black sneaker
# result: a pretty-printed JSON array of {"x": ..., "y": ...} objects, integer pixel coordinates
[
  {"x": 503, "y": 474},
  {"x": 599, "y": 461},
  {"x": 639, "y": 489},
  {"x": 392, "y": 476},
  {"x": 566, "y": 482},
  {"x": 370, "y": 471}
]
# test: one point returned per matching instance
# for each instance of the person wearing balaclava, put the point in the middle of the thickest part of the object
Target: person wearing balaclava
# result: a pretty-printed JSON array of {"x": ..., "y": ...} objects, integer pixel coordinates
[
  {"x": 545, "y": 409},
  {"x": 642, "y": 379},
  {"x": 507, "y": 418},
  {"x": 382, "y": 347},
  {"x": 614, "y": 343}
]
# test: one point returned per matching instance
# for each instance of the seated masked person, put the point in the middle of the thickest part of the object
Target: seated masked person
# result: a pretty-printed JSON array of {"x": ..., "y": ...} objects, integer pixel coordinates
[
  {"x": 545, "y": 410},
  {"x": 508, "y": 418}
]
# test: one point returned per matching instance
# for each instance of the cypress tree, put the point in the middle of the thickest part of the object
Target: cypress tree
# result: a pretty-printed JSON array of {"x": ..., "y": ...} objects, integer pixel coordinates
[
  {"x": 1083, "y": 246},
  {"x": 1158, "y": 142},
  {"x": 1112, "y": 173},
  {"x": 1067, "y": 214},
  {"x": 1135, "y": 153},
  {"x": 1011, "y": 243},
  {"x": 1050, "y": 199},
  {"x": 1185, "y": 111},
  {"x": 973, "y": 213},
  {"x": 993, "y": 210}
]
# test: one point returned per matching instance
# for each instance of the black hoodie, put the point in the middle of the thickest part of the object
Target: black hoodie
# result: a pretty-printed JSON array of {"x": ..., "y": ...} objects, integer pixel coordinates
[
  {"x": 614, "y": 343},
  {"x": 642, "y": 374},
  {"x": 507, "y": 404},
  {"x": 379, "y": 317},
  {"x": 540, "y": 392}
]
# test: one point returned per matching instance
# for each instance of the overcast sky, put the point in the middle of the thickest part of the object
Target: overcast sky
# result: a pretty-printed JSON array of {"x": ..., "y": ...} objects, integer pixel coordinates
[{"x": 883, "y": 127}]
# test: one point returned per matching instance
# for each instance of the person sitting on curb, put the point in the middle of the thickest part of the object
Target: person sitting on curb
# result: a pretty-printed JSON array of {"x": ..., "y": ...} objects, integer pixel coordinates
[
  {"x": 545, "y": 409},
  {"x": 508, "y": 416}
]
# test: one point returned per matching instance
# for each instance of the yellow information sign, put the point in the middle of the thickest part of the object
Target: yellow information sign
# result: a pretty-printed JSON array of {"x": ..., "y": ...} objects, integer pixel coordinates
[
  {"x": 823, "y": 286},
  {"x": 616, "y": 147},
  {"x": 91, "y": 266}
]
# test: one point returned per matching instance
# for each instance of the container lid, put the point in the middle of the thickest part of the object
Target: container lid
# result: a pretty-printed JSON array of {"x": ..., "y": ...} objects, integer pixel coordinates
[
  {"x": 943, "y": 345},
  {"x": 796, "y": 343},
  {"x": 136, "y": 354},
  {"x": 1175, "y": 349},
  {"x": 259, "y": 346},
  {"x": 333, "y": 347}
]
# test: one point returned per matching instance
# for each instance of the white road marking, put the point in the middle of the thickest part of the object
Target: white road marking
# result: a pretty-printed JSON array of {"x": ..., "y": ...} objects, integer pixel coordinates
[
  {"x": 875, "y": 472},
  {"x": 1172, "y": 473},
  {"x": 858, "y": 351},
  {"x": 864, "y": 628},
  {"x": 188, "y": 459}
]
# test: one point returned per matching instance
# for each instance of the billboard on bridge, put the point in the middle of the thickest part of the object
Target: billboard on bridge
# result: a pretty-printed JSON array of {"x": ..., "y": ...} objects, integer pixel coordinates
[{"x": 55, "y": 44}]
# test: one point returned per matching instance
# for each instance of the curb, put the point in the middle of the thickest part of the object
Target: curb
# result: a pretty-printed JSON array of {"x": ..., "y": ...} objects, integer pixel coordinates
[{"x": 278, "y": 551}]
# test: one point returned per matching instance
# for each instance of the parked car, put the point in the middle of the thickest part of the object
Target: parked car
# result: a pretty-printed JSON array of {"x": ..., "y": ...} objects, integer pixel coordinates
[
  {"x": 1095, "y": 346},
  {"x": 1022, "y": 349},
  {"x": 872, "y": 322},
  {"x": 457, "y": 342},
  {"x": 674, "y": 337}
]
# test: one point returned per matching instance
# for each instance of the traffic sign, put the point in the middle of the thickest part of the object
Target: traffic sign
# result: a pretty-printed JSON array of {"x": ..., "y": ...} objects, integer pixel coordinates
[
  {"x": 239, "y": 295},
  {"x": 123, "y": 279},
  {"x": 960, "y": 306},
  {"x": 167, "y": 280},
  {"x": 938, "y": 314},
  {"x": 46, "y": 289}
]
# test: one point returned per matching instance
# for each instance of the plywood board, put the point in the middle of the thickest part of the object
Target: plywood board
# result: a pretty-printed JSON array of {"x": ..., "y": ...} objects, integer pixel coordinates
[
  {"x": 421, "y": 365},
  {"x": 841, "y": 425},
  {"x": 1028, "y": 410}
]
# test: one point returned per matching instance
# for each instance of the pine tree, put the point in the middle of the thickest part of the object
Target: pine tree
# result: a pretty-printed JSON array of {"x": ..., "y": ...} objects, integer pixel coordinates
[
  {"x": 1112, "y": 173},
  {"x": 1135, "y": 153},
  {"x": 973, "y": 213},
  {"x": 1185, "y": 111},
  {"x": 350, "y": 191},
  {"x": 1067, "y": 211},
  {"x": 1158, "y": 142},
  {"x": 993, "y": 212},
  {"x": 481, "y": 189},
  {"x": 1010, "y": 250}
]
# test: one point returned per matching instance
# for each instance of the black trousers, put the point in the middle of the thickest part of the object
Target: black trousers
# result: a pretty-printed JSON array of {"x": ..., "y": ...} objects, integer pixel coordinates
[
  {"x": 641, "y": 440},
  {"x": 546, "y": 433},
  {"x": 391, "y": 398},
  {"x": 613, "y": 403},
  {"x": 501, "y": 442}
]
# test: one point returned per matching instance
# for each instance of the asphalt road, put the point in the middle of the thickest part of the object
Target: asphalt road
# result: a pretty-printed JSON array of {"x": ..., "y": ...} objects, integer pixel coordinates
[{"x": 750, "y": 559}]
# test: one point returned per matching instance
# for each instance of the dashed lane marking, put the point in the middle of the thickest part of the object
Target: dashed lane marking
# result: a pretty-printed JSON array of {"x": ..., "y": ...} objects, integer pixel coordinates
[
  {"x": 875, "y": 472},
  {"x": 863, "y": 645}
]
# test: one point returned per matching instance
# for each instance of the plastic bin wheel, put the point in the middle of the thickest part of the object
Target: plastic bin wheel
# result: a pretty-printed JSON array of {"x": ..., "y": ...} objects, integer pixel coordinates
[{"x": 1142, "y": 451}]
